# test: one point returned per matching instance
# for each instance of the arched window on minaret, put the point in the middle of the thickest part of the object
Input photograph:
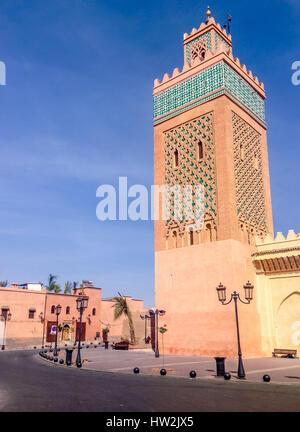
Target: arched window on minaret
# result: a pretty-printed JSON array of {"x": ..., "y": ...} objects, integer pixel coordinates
[
  {"x": 242, "y": 152},
  {"x": 175, "y": 239},
  {"x": 203, "y": 55},
  {"x": 200, "y": 151},
  {"x": 176, "y": 159},
  {"x": 208, "y": 227},
  {"x": 191, "y": 233}
]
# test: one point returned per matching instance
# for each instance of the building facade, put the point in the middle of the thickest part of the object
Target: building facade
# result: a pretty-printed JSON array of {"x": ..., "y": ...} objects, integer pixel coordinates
[
  {"x": 28, "y": 315},
  {"x": 210, "y": 130}
]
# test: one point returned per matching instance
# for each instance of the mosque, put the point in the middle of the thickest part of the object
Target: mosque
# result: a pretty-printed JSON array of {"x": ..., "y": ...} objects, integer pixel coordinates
[{"x": 210, "y": 129}]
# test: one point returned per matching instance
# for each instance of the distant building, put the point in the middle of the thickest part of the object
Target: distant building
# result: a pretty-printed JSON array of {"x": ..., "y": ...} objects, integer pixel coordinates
[{"x": 28, "y": 314}]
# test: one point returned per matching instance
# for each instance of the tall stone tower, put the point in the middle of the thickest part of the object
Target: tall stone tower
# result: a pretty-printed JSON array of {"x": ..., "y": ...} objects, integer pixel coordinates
[{"x": 209, "y": 129}]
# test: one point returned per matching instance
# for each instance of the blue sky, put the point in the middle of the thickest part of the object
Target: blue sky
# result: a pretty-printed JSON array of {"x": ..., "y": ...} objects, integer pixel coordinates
[{"x": 77, "y": 113}]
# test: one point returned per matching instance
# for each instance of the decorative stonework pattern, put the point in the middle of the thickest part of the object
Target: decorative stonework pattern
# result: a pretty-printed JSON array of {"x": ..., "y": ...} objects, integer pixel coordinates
[
  {"x": 206, "y": 99},
  {"x": 189, "y": 90},
  {"x": 219, "y": 76},
  {"x": 249, "y": 176},
  {"x": 191, "y": 171},
  {"x": 244, "y": 92},
  {"x": 197, "y": 49},
  {"x": 207, "y": 37},
  {"x": 218, "y": 39}
]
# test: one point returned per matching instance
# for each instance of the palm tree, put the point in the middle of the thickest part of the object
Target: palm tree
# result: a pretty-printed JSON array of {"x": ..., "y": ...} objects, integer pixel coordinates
[
  {"x": 121, "y": 307},
  {"x": 68, "y": 288},
  {"x": 52, "y": 284}
]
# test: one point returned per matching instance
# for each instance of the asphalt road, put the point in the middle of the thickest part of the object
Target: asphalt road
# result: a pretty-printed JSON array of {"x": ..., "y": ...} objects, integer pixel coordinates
[{"x": 30, "y": 384}]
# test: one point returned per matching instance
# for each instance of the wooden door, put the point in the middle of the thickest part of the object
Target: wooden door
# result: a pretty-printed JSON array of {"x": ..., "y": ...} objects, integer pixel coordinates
[
  {"x": 83, "y": 330},
  {"x": 50, "y": 326}
]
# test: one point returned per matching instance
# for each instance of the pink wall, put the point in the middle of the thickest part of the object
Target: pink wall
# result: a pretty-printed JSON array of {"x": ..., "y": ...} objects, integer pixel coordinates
[
  {"x": 22, "y": 331},
  {"x": 186, "y": 281}
]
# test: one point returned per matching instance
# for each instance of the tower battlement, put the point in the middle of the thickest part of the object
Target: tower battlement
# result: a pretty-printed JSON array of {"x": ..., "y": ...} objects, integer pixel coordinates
[{"x": 210, "y": 70}]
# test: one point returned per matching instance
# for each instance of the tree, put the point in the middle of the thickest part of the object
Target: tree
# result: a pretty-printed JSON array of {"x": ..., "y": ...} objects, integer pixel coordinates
[
  {"x": 121, "y": 308},
  {"x": 52, "y": 284},
  {"x": 68, "y": 288},
  {"x": 162, "y": 331},
  {"x": 3, "y": 284}
]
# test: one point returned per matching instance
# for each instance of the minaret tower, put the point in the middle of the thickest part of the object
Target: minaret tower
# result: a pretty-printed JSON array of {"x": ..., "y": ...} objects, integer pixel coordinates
[{"x": 210, "y": 129}]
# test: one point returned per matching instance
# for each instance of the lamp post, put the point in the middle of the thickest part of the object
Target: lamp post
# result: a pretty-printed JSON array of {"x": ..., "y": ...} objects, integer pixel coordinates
[
  {"x": 57, "y": 311},
  {"x": 156, "y": 312},
  {"x": 145, "y": 317},
  {"x": 6, "y": 316},
  {"x": 221, "y": 290},
  {"x": 81, "y": 304}
]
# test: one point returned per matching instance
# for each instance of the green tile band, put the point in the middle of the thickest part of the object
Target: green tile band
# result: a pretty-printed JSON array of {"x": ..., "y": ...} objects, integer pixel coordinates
[
  {"x": 185, "y": 95},
  {"x": 219, "y": 38}
]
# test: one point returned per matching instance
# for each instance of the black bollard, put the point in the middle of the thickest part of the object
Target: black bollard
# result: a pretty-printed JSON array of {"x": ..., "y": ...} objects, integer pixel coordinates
[
  {"x": 193, "y": 374},
  {"x": 220, "y": 361},
  {"x": 227, "y": 377},
  {"x": 69, "y": 353},
  {"x": 106, "y": 345}
]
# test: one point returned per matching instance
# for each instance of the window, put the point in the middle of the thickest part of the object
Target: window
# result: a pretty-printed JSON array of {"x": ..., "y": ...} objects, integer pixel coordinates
[
  {"x": 4, "y": 312},
  {"x": 200, "y": 151},
  {"x": 68, "y": 310},
  {"x": 31, "y": 313},
  {"x": 203, "y": 55},
  {"x": 191, "y": 238},
  {"x": 176, "y": 159},
  {"x": 208, "y": 227},
  {"x": 52, "y": 309},
  {"x": 94, "y": 312},
  {"x": 175, "y": 238}
]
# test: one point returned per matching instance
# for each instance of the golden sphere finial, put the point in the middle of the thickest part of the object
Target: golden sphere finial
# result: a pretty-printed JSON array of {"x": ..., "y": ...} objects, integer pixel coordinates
[{"x": 208, "y": 13}]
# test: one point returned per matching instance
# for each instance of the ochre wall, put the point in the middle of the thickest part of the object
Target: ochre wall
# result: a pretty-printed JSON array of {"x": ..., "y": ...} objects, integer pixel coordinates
[
  {"x": 186, "y": 281},
  {"x": 24, "y": 332},
  {"x": 279, "y": 293},
  {"x": 119, "y": 328}
]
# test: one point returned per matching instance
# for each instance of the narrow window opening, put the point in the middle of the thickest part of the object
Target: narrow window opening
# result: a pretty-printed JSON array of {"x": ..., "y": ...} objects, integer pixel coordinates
[
  {"x": 31, "y": 313},
  {"x": 94, "y": 312},
  {"x": 175, "y": 238},
  {"x": 200, "y": 151},
  {"x": 208, "y": 227},
  {"x": 176, "y": 159},
  {"x": 52, "y": 309},
  {"x": 191, "y": 238},
  {"x": 68, "y": 310}
]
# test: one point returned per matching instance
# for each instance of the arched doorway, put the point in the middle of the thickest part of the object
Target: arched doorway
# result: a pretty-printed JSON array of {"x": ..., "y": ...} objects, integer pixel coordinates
[
  {"x": 66, "y": 332},
  {"x": 288, "y": 323}
]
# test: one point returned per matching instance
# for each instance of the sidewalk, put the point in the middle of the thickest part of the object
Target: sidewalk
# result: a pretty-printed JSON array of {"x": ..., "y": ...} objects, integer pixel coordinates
[{"x": 281, "y": 370}]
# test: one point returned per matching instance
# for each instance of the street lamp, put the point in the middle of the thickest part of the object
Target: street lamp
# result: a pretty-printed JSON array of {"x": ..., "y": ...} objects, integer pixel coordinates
[
  {"x": 57, "y": 311},
  {"x": 145, "y": 317},
  {"x": 156, "y": 312},
  {"x": 6, "y": 316},
  {"x": 81, "y": 304},
  {"x": 221, "y": 290}
]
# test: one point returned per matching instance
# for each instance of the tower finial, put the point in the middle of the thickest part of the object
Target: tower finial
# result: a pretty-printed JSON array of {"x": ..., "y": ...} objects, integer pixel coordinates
[{"x": 208, "y": 13}]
